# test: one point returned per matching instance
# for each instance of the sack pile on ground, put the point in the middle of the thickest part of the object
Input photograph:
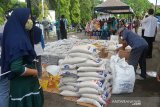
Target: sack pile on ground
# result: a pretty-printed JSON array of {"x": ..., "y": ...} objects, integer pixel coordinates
[
  {"x": 62, "y": 47},
  {"x": 84, "y": 74}
]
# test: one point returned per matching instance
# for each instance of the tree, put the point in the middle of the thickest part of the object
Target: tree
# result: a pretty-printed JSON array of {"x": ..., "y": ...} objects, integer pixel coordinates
[
  {"x": 64, "y": 9},
  {"x": 6, "y": 5},
  {"x": 95, "y": 3},
  {"x": 86, "y": 11},
  {"x": 75, "y": 11},
  {"x": 140, "y": 7},
  {"x": 158, "y": 11}
]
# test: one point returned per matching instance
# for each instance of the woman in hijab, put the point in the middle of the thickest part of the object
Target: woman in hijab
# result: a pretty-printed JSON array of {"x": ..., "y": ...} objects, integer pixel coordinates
[{"x": 17, "y": 56}]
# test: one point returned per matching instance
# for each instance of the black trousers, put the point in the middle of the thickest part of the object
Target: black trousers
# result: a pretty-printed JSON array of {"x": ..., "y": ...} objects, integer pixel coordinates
[
  {"x": 63, "y": 34},
  {"x": 138, "y": 56},
  {"x": 38, "y": 66},
  {"x": 142, "y": 32},
  {"x": 150, "y": 41}
]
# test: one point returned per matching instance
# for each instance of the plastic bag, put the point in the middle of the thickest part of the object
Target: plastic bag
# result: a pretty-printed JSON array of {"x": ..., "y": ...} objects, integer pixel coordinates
[{"x": 123, "y": 76}]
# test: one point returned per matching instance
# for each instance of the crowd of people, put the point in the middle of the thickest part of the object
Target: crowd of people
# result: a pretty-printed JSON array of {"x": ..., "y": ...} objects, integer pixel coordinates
[{"x": 105, "y": 27}]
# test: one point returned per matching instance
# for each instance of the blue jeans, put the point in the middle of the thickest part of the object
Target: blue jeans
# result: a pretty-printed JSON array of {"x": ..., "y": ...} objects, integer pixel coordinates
[{"x": 4, "y": 92}]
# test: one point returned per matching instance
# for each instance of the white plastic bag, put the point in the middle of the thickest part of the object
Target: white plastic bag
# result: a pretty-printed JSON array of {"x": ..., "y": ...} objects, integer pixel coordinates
[{"x": 123, "y": 76}]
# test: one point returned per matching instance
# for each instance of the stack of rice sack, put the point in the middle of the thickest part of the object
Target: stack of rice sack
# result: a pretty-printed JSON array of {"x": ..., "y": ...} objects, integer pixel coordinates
[
  {"x": 95, "y": 84},
  {"x": 91, "y": 79},
  {"x": 68, "y": 82}
]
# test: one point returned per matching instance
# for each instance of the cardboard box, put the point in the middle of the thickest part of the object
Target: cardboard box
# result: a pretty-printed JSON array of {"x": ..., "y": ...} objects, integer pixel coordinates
[{"x": 124, "y": 54}]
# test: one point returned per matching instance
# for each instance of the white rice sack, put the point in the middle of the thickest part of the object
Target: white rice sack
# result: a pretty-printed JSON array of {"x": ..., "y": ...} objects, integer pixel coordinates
[
  {"x": 109, "y": 90},
  {"x": 90, "y": 63},
  {"x": 83, "y": 55},
  {"x": 90, "y": 101},
  {"x": 98, "y": 98},
  {"x": 68, "y": 72},
  {"x": 72, "y": 84},
  {"x": 102, "y": 98},
  {"x": 99, "y": 85},
  {"x": 99, "y": 74},
  {"x": 68, "y": 67},
  {"x": 88, "y": 49},
  {"x": 91, "y": 69},
  {"x": 109, "y": 77},
  {"x": 69, "y": 93},
  {"x": 89, "y": 79},
  {"x": 87, "y": 90},
  {"x": 69, "y": 88},
  {"x": 60, "y": 61},
  {"x": 72, "y": 61},
  {"x": 68, "y": 79}
]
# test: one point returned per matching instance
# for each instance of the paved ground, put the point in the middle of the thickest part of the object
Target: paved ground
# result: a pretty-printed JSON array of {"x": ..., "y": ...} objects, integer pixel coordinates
[{"x": 146, "y": 93}]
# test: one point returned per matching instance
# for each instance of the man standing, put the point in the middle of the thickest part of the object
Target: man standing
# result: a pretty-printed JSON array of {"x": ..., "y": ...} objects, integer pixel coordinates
[
  {"x": 138, "y": 52},
  {"x": 136, "y": 24},
  {"x": 57, "y": 24},
  {"x": 150, "y": 31},
  {"x": 63, "y": 27},
  {"x": 45, "y": 24}
]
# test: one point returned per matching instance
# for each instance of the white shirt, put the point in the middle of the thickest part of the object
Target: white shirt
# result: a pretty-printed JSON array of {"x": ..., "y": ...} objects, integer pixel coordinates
[
  {"x": 143, "y": 25},
  {"x": 1, "y": 28},
  {"x": 150, "y": 26}
]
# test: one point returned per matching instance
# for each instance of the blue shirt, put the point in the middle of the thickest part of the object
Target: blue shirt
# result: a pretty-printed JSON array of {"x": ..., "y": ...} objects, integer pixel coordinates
[{"x": 133, "y": 39}]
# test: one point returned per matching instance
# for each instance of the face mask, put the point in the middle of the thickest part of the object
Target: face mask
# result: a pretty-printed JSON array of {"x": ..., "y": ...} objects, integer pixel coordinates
[{"x": 29, "y": 24}]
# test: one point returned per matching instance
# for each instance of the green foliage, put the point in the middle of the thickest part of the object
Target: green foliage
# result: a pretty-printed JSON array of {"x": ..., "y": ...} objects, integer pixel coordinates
[
  {"x": 6, "y": 5},
  {"x": 39, "y": 12},
  {"x": 64, "y": 9},
  {"x": 140, "y": 7},
  {"x": 158, "y": 11},
  {"x": 75, "y": 11},
  {"x": 86, "y": 12}
]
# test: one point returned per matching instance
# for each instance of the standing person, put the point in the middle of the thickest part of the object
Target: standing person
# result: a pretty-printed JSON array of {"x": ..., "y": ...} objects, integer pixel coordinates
[
  {"x": 105, "y": 30},
  {"x": 144, "y": 26},
  {"x": 114, "y": 26},
  {"x": 63, "y": 27},
  {"x": 4, "y": 82},
  {"x": 18, "y": 57},
  {"x": 136, "y": 24},
  {"x": 150, "y": 30},
  {"x": 46, "y": 25},
  {"x": 57, "y": 24},
  {"x": 138, "y": 52},
  {"x": 38, "y": 47}
]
